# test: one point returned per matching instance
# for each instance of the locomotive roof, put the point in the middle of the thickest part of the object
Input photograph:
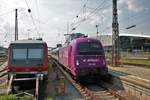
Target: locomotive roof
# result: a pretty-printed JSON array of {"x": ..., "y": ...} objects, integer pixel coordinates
[
  {"x": 84, "y": 39},
  {"x": 27, "y": 41}
]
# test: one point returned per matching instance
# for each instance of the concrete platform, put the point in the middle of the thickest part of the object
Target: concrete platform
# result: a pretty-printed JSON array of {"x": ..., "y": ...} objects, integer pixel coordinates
[
  {"x": 132, "y": 74},
  {"x": 140, "y": 72},
  {"x": 135, "y": 80}
]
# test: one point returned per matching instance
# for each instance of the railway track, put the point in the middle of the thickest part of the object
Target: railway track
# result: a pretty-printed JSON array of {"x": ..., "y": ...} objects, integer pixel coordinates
[
  {"x": 3, "y": 78},
  {"x": 96, "y": 91},
  {"x": 3, "y": 73},
  {"x": 25, "y": 86},
  {"x": 129, "y": 64},
  {"x": 10, "y": 88}
]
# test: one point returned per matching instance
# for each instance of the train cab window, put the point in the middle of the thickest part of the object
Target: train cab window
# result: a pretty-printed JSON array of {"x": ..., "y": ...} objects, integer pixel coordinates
[
  {"x": 89, "y": 48},
  {"x": 19, "y": 53},
  {"x": 27, "y": 56},
  {"x": 35, "y": 53}
]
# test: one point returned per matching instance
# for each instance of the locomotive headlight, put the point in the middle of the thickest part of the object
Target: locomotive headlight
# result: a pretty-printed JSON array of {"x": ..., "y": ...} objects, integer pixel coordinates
[{"x": 77, "y": 63}]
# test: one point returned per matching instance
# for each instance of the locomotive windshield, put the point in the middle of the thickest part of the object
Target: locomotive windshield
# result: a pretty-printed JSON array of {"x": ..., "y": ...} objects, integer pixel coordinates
[
  {"x": 27, "y": 55},
  {"x": 90, "y": 48}
]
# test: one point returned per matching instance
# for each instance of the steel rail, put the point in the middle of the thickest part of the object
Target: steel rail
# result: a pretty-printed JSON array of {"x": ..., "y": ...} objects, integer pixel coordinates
[{"x": 87, "y": 93}]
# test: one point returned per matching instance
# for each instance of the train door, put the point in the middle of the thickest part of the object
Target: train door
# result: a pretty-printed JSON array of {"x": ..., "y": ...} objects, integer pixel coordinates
[{"x": 69, "y": 56}]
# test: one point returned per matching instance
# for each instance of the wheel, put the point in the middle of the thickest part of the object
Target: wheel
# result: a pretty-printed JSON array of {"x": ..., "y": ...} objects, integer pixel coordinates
[{"x": 45, "y": 77}]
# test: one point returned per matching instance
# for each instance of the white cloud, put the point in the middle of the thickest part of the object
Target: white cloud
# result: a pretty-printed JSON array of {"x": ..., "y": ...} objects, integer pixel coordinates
[
  {"x": 121, "y": 1},
  {"x": 107, "y": 11},
  {"x": 134, "y": 5},
  {"x": 119, "y": 11},
  {"x": 95, "y": 20}
]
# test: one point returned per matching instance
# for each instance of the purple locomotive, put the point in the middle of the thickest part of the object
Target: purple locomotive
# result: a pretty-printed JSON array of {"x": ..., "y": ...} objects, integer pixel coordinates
[{"x": 83, "y": 57}]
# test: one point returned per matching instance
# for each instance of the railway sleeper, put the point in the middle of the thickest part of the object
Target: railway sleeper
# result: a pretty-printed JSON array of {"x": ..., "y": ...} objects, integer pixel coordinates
[
  {"x": 110, "y": 97},
  {"x": 83, "y": 90},
  {"x": 102, "y": 94},
  {"x": 78, "y": 86},
  {"x": 88, "y": 98},
  {"x": 3, "y": 73}
]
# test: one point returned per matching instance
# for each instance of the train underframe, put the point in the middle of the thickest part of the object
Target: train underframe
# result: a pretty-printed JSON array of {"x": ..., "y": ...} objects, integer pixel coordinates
[
  {"x": 31, "y": 74},
  {"x": 90, "y": 74}
]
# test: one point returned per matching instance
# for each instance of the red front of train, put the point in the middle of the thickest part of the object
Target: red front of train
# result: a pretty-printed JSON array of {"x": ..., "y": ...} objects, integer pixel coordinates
[{"x": 28, "y": 57}]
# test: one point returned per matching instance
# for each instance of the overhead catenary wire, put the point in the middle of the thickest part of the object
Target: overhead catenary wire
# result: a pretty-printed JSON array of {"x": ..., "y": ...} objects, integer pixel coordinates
[
  {"x": 138, "y": 24},
  {"x": 89, "y": 15},
  {"x": 130, "y": 17},
  {"x": 6, "y": 13},
  {"x": 84, "y": 19},
  {"x": 82, "y": 8},
  {"x": 31, "y": 16},
  {"x": 97, "y": 8},
  {"x": 27, "y": 3},
  {"x": 37, "y": 8},
  {"x": 46, "y": 24}
]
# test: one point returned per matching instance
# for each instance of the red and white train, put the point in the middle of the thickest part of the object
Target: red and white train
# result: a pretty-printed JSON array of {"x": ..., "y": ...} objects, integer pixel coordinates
[{"x": 27, "y": 58}]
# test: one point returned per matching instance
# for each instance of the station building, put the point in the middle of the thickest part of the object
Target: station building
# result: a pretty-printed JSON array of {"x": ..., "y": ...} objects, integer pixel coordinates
[{"x": 128, "y": 42}]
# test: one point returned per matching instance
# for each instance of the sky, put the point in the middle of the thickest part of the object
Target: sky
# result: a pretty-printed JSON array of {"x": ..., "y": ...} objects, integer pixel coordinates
[{"x": 51, "y": 19}]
